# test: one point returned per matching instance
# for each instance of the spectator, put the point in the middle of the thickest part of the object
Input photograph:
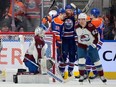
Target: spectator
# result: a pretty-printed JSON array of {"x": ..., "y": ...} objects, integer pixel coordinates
[
  {"x": 32, "y": 14},
  {"x": 3, "y": 5},
  {"x": 19, "y": 11},
  {"x": 5, "y": 29},
  {"x": 20, "y": 29},
  {"x": 108, "y": 29}
]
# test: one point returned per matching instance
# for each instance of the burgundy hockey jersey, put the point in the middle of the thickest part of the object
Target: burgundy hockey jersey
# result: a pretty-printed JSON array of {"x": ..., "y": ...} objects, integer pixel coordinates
[
  {"x": 87, "y": 35},
  {"x": 39, "y": 43}
]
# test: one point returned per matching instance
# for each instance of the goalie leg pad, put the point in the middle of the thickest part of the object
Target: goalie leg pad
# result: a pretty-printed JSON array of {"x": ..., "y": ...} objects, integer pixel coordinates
[{"x": 43, "y": 65}]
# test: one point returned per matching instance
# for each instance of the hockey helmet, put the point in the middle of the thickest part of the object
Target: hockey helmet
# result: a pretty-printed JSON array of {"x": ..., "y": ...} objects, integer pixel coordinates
[
  {"x": 82, "y": 15},
  {"x": 61, "y": 10},
  {"x": 77, "y": 11},
  {"x": 95, "y": 12},
  {"x": 52, "y": 13},
  {"x": 40, "y": 31},
  {"x": 68, "y": 7}
]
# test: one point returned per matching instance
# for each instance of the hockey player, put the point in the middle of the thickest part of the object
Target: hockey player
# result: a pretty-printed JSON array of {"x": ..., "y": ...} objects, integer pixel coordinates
[
  {"x": 98, "y": 23},
  {"x": 56, "y": 27},
  {"x": 87, "y": 42},
  {"x": 68, "y": 42},
  {"x": 34, "y": 51}
]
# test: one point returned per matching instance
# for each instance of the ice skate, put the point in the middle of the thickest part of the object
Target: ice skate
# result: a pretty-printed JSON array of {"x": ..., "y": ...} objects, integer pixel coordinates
[
  {"x": 81, "y": 79},
  {"x": 103, "y": 79}
]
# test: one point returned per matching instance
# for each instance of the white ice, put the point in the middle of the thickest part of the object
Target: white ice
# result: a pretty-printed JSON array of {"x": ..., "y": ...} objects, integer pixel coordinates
[{"x": 73, "y": 83}]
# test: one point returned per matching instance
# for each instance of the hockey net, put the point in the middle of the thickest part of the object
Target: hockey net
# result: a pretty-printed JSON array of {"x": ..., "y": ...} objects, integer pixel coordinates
[{"x": 10, "y": 56}]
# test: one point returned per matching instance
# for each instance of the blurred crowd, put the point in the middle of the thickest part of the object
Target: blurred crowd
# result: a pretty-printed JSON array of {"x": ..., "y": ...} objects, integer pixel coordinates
[{"x": 26, "y": 17}]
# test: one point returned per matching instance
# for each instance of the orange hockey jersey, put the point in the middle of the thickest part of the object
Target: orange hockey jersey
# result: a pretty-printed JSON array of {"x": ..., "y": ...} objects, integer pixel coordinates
[
  {"x": 97, "y": 22},
  {"x": 19, "y": 8},
  {"x": 32, "y": 8}
]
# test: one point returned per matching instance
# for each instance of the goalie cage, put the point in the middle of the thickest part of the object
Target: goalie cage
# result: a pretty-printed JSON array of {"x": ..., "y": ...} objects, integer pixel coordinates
[{"x": 11, "y": 41}]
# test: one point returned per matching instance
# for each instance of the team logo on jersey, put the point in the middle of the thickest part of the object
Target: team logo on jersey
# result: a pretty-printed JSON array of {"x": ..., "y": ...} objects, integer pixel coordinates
[
  {"x": 84, "y": 37},
  {"x": 68, "y": 24},
  {"x": 31, "y": 4}
]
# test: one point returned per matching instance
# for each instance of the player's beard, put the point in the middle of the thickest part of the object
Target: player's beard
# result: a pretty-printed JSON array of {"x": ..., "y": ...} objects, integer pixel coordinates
[{"x": 68, "y": 14}]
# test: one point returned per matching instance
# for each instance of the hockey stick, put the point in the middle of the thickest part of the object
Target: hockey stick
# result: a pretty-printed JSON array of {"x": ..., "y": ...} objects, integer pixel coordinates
[
  {"x": 86, "y": 8},
  {"x": 53, "y": 2}
]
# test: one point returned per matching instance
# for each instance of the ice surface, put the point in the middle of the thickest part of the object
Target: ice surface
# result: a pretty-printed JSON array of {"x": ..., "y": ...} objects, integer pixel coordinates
[{"x": 73, "y": 83}]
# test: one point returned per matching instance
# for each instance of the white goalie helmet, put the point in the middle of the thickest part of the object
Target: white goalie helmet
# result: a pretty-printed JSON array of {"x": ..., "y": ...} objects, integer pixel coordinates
[
  {"x": 52, "y": 13},
  {"x": 82, "y": 15},
  {"x": 40, "y": 31}
]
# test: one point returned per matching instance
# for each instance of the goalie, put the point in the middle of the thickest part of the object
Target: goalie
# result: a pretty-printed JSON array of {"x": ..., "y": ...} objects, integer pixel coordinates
[{"x": 36, "y": 52}]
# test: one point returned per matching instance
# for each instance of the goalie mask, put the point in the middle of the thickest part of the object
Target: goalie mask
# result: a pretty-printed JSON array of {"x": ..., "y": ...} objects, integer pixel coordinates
[{"x": 40, "y": 31}]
